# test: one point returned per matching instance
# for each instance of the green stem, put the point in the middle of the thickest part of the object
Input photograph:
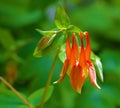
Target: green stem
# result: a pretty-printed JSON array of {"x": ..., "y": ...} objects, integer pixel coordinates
[
  {"x": 16, "y": 92},
  {"x": 49, "y": 80}
]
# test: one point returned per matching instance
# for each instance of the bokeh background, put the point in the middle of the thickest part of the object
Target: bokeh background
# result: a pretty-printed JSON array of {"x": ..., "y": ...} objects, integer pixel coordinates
[{"x": 18, "y": 39}]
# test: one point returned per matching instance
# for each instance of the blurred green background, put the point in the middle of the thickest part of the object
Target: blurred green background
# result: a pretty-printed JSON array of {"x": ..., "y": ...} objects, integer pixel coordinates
[{"x": 18, "y": 39}]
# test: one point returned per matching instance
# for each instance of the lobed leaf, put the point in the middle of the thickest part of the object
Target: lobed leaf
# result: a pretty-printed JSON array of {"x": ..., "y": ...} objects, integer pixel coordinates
[{"x": 62, "y": 21}]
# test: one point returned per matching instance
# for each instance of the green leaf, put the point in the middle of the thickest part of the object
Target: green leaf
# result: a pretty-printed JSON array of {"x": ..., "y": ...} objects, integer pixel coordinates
[
  {"x": 98, "y": 66},
  {"x": 43, "y": 43},
  {"x": 99, "y": 69},
  {"x": 62, "y": 21},
  {"x": 46, "y": 32},
  {"x": 52, "y": 46},
  {"x": 36, "y": 97},
  {"x": 9, "y": 100},
  {"x": 62, "y": 55},
  {"x": 73, "y": 29}
]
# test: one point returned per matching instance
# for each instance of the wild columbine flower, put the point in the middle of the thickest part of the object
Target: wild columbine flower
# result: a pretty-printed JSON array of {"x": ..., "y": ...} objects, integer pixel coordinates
[{"x": 78, "y": 64}]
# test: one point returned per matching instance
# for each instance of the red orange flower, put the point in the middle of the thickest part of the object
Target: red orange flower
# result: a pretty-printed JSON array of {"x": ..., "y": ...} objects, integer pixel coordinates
[{"x": 78, "y": 64}]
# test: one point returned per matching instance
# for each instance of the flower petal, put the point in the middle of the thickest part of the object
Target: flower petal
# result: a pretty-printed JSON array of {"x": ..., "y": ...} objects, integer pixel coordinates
[
  {"x": 82, "y": 59},
  {"x": 92, "y": 74},
  {"x": 68, "y": 49},
  {"x": 63, "y": 72},
  {"x": 88, "y": 47},
  {"x": 77, "y": 78},
  {"x": 74, "y": 51}
]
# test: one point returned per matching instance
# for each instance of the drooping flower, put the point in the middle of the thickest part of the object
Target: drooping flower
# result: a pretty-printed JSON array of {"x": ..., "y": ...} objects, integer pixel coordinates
[
  {"x": 78, "y": 64},
  {"x": 91, "y": 68}
]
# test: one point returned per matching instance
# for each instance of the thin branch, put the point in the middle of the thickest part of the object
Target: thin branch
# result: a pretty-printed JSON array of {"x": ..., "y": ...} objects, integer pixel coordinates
[
  {"x": 16, "y": 92},
  {"x": 49, "y": 80}
]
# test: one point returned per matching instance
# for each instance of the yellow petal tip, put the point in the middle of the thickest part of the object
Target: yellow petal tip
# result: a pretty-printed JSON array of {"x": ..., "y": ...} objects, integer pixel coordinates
[{"x": 78, "y": 91}]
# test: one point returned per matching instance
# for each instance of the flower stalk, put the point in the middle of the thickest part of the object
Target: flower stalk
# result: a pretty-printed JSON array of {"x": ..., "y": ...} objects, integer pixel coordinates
[
  {"x": 16, "y": 92},
  {"x": 49, "y": 80}
]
